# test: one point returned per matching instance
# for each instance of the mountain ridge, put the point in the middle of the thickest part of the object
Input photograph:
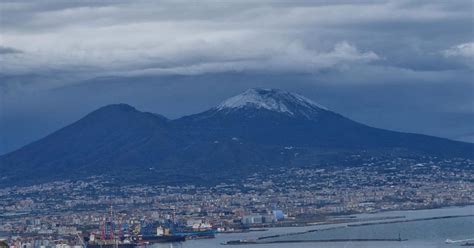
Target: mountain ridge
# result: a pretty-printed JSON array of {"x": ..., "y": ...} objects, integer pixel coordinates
[{"x": 232, "y": 139}]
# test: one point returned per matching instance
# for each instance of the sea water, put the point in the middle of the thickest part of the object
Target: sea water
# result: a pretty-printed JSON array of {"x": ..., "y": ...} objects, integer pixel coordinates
[{"x": 419, "y": 231}]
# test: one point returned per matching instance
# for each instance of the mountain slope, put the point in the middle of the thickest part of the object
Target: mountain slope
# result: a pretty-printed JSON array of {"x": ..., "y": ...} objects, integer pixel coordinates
[
  {"x": 275, "y": 117},
  {"x": 104, "y": 141},
  {"x": 258, "y": 129}
]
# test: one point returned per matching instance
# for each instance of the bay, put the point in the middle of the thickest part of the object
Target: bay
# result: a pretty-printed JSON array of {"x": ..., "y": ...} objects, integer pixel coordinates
[{"x": 421, "y": 228}]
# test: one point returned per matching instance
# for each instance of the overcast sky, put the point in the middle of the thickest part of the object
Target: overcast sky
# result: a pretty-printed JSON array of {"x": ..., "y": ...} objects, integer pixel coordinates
[{"x": 400, "y": 65}]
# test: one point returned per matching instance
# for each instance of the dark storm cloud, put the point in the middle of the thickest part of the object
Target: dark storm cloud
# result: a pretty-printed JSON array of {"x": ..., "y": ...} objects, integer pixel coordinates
[
  {"x": 8, "y": 50},
  {"x": 403, "y": 65}
]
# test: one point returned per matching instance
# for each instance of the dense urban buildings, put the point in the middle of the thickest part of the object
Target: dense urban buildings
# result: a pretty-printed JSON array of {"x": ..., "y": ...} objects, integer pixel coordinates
[{"x": 56, "y": 213}]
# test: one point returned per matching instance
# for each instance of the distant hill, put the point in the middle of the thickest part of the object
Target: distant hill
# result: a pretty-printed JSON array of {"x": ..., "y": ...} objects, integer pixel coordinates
[{"x": 253, "y": 131}]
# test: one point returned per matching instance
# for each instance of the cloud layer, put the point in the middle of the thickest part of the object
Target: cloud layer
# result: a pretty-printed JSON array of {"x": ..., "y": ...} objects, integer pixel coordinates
[
  {"x": 397, "y": 64},
  {"x": 169, "y": 37}
]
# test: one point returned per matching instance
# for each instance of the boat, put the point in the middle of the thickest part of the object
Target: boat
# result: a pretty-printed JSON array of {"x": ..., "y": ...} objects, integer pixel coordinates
[
  {"x": 240, "y": 242},
  {"x": 162, "y": 235},
  {"x": 197, "y": 231},
  {"x": 465, "y": 242}
]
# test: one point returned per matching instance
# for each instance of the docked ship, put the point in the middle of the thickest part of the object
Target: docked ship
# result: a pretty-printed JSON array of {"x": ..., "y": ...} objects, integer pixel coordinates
[
  {"x": 163, "y": 235},
  {"x": 196, "y": 231}
]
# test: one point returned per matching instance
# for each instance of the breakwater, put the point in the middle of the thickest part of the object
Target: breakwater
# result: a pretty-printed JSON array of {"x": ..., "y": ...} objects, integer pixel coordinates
[{"x": 246, "y": 242}]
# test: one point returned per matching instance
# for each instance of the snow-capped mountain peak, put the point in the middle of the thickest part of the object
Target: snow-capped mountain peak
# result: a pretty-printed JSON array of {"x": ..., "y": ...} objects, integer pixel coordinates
[{"x": 273, "y": 100}]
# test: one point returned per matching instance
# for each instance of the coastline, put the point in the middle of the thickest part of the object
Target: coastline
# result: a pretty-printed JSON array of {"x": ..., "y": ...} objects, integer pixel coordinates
[{"x": 361, "y": 220}]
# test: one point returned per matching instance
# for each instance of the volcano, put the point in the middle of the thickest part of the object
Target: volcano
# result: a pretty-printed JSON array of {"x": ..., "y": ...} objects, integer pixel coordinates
[{"x": 250, "y": 132}]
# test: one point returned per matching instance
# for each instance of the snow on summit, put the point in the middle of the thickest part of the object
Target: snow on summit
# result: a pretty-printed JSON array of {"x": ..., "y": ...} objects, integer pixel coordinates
[{"x": 273, "y": 100}]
